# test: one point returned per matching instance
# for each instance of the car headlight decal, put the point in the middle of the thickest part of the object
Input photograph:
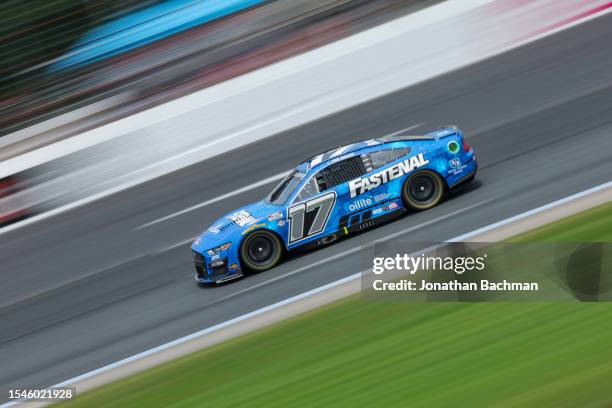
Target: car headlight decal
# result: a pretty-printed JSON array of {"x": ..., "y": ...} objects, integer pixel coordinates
[{"x": 220, "y": 248}]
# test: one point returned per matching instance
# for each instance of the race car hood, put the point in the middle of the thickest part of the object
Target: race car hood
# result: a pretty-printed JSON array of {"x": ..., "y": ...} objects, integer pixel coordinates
[{"x": 233, "y": 223}]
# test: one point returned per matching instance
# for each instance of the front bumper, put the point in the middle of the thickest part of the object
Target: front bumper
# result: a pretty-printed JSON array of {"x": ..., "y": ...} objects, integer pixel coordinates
[
  {"x": 217, "y": 271},
  {"x": 228, "y": 277}
]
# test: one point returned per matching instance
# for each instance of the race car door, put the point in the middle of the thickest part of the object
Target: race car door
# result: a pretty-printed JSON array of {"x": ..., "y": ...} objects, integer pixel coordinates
[
  {"x": 369, "y": 194},
  {"x": 323, "y": 202}
]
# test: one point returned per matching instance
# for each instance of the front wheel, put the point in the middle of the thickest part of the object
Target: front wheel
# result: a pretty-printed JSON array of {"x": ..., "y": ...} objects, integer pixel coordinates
[
  {"x": 261, "y": 250},
  {"x": 423, "y": 190}
]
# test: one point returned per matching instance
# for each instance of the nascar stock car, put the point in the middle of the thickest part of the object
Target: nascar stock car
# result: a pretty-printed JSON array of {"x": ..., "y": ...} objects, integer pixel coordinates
[{"x": 336, "y": 193}]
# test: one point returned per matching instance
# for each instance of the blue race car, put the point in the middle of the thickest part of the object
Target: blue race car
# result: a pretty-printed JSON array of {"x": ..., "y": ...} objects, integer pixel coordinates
[{"x": 336, "y": 193}]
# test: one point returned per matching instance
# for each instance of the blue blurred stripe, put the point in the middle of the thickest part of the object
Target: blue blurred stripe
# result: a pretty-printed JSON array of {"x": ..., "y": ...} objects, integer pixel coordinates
[{"x": 146, "y": 26}]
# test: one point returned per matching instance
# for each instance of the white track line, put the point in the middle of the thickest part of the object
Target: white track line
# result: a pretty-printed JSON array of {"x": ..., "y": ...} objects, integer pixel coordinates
[
  {"x": 408, "y": 129},
  {"x": 309, "y": 293},
  {"x": 217, "y": 199}
]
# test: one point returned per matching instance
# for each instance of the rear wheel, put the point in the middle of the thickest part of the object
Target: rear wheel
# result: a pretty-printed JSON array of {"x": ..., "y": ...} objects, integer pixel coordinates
[
  {"x": 423, "y": 190},
  {"x": 261, "y": 250}
]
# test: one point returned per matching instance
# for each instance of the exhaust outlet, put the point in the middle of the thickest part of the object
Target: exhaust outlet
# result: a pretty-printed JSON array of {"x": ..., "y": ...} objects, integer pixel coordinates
[{"x": 329, "y": 239}]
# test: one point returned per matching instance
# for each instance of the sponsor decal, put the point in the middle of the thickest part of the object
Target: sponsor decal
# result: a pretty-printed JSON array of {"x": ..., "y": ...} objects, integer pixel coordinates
[
  {"x": 217, "y": 263},
  {"x": 458, "y": 169},
  {"x": 215, "y": 257},
  {"x": 233, "y": 266},
  {"x": 242, "y": 218},
  {"x": 393, "y": 206},
  {"x": 453, "y": 146},
  {"x": 218, "y": 249},
  {"x": 214, "y": 229},
  {"x": 455, "y": 163},
  {"x": 360, "y": 204},
  {"x": 275, "y": 216},
  {"x": 377, "y": 211},
  {"x": 363, "y": 185},
  {"x": 252, "y": 227},
  {"x": 381, "y": 197}
]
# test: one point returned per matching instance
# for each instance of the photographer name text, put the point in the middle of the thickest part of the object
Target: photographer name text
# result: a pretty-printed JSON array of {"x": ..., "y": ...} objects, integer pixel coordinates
[{"x": 454, "y": 285}]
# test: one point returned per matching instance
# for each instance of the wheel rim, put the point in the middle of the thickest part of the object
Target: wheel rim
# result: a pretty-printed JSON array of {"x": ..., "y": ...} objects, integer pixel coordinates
[
  {"x": 422, "y": 189},
  {"x": 260, "y": 249}
]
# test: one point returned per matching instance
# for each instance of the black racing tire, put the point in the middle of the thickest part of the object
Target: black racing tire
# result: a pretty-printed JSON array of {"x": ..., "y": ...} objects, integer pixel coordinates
[
  {"x": 423, "y": 190},
  {"x": 261, "y": 250}
]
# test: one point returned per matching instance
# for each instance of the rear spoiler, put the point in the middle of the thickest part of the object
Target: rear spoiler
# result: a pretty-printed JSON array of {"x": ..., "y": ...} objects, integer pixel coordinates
[
  {"x": 445, "y": 131},
  {"x": 440, "y": 133}
]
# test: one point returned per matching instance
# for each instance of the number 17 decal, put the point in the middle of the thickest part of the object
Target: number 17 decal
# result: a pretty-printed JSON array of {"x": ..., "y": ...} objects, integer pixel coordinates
[{"x": 310, "y": 217}]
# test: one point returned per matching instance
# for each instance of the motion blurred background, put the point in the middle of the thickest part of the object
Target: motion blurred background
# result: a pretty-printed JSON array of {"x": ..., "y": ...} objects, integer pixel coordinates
[
  {"x": 68, "y": 66},
  {"x": 127, "y": 127},
  {"x": 60, "y": 55}
]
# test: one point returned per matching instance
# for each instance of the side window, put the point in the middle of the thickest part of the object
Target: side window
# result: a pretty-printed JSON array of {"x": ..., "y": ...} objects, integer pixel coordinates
[
  {"x": 374, "y": 160},
  {"x": 341, "y": 172},
  {"x": 310, "y": 189}
]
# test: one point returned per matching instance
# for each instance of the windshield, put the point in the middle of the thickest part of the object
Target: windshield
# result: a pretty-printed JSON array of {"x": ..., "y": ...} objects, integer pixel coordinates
[{"x": 282, "y": 192}]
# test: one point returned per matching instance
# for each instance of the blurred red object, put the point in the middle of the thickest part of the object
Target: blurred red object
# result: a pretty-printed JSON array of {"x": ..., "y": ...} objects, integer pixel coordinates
[{"x": 13, "y": 210}]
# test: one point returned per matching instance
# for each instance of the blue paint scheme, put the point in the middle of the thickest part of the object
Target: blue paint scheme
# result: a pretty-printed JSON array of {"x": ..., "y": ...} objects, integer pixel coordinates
[
  {"x": 146, "y": 26},
  {"x": 382, "y": 200}
]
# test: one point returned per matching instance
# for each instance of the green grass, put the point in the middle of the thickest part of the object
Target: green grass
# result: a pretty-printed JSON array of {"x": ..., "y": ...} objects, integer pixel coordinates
[
  {"x": 590, "y": 226},
  {"x": 374, "y": 354}
]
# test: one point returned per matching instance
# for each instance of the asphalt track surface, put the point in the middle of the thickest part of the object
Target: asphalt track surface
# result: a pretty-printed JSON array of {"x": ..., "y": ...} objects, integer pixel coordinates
[{"x": 86, "y": 288}]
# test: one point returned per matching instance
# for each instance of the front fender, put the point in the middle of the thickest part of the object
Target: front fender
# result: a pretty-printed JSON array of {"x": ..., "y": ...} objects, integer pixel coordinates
[{"x": 272, "y": 226}]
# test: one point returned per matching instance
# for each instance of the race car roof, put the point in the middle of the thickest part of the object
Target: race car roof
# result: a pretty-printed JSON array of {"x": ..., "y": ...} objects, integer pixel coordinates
[
  {"x": 349, "y": 148},
  {"x": 339, "y": 151}
]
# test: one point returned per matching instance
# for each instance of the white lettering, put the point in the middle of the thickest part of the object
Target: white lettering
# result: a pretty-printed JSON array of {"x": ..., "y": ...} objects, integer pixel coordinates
[
  {"x": 360, "y": 204},
  {"x": 363, "y": 185}
]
